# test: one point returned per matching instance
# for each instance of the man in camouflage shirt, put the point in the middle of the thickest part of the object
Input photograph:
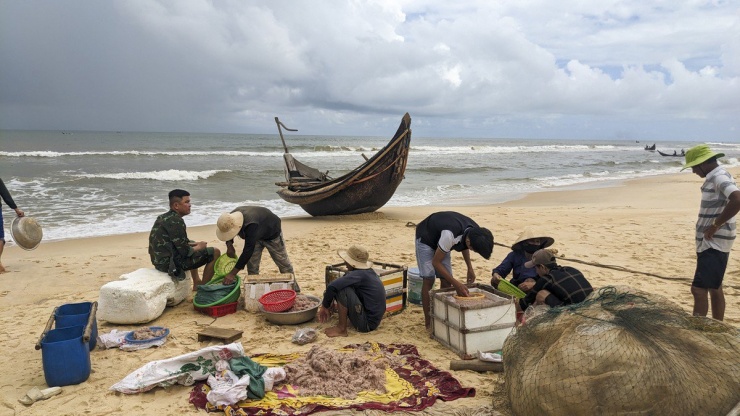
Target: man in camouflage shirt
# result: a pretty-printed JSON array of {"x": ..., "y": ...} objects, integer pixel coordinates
[{"x": 170, "y": 248}]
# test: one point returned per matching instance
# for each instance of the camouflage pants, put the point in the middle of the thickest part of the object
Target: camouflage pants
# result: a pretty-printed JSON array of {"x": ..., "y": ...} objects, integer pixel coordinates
[{"x": 276, "y": 248}]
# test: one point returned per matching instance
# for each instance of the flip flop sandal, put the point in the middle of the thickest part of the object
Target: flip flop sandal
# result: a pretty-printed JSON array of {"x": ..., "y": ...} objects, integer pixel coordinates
[{"x": 35, "y": 394}]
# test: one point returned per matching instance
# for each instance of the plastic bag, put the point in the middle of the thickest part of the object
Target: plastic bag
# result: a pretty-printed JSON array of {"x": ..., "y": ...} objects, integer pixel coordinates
[{"x": 303, "y": 336}]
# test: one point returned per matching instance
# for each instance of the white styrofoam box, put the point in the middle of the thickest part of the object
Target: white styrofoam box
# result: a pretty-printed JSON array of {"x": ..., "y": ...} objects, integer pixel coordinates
[
  {"x": 177, "y": 290},
  {"x": 139, "y": 296},
  {"x": 468, "y": 329},
  {"x": 467, "y": 344},
  {"x": 504, "y": 312}
]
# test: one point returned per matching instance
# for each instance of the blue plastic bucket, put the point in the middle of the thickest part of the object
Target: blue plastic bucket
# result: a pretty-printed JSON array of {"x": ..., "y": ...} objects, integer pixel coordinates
[
  {"x": 65, "y": 356},
  {"x": 74, "y": 314}
]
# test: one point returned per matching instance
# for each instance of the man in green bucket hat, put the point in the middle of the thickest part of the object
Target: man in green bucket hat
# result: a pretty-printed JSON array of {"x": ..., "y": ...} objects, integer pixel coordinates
[{"x": 715, "y": 229}]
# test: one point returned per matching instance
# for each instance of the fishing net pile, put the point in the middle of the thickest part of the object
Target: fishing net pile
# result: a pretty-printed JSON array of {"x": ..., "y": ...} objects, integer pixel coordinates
[{"x": 622, "y": 351}]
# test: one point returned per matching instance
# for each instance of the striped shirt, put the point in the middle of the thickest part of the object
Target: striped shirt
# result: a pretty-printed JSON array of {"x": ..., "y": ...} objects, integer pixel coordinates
[{"x": 715, "y": 193}]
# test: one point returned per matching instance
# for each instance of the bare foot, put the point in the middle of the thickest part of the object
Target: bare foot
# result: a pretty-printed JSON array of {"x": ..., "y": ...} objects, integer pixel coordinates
[
  {"x": 430, "y": 331},
  {"x": 2, "y": 269},
  {"x": 335, "y": 331}
]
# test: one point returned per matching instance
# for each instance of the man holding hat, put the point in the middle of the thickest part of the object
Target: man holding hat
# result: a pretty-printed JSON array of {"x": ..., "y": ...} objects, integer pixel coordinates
[
  {"x": 715, "y": 229},
  {"x": 359, "y": 295},
  {"x": 521, "y": 251},
  {"x": 557, "y": 285},
  {"x": 260, "y": 228},
  {"x": 5, "y": 195}
]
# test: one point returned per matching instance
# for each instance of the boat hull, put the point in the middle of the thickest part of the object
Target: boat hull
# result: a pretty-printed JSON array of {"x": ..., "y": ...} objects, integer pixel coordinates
[
  {"x": 365, "y": 189},
  {"x": 668, "y": 154}
]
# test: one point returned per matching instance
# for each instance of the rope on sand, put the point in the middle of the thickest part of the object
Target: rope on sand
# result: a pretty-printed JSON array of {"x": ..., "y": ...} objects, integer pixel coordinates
[{"x": 619, "y": 268}]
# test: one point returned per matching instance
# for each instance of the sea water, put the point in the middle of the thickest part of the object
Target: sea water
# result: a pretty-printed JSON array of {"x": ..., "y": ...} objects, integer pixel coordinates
[{"x": 82, "y": 184}]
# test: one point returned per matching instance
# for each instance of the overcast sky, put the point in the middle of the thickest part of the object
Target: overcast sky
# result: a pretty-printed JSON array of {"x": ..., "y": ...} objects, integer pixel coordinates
[{"x": 606, "y": 69}]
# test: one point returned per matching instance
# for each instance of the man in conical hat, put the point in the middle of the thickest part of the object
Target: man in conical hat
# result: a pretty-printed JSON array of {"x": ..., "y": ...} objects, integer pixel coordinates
[
  {"x": 715, "y": 229},
  {"x": 529, "y": 241}
]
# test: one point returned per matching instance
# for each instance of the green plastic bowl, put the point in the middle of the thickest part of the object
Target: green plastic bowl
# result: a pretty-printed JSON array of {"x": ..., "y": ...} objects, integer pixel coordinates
[{"x": 233, "y": 296}]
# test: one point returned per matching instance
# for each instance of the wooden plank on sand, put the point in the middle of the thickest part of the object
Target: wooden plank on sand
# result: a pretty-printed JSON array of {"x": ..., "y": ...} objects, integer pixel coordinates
[
  {"x": 476, "y": 365},
  {"x": 226, "y": 335}
]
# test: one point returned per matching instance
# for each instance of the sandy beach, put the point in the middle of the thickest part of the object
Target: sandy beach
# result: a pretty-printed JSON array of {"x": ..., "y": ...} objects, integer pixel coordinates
[{"x": 643, "y": 225}]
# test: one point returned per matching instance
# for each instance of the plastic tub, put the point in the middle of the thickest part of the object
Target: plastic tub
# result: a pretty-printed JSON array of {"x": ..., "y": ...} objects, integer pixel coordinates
[
  {"x": 219, "y": 310},
  {"x": 232, "y": 296},
  {"x": 74, "y": 314},
  {"x": 65, "y": 356},
  {"x": 414, "y": 283}
]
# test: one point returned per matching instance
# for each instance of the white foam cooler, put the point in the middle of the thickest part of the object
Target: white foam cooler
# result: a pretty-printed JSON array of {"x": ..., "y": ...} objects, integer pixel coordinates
[
  {"x": 140, "y": 296},
  {"x": 467, "y": 329}
]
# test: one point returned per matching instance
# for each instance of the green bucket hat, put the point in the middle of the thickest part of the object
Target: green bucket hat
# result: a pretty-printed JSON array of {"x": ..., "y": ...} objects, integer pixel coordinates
[{"x": 698, "y": 155}]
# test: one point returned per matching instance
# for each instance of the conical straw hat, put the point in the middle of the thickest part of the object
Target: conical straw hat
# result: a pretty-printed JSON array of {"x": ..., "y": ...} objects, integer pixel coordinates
[{"x": 529, "y": 234}]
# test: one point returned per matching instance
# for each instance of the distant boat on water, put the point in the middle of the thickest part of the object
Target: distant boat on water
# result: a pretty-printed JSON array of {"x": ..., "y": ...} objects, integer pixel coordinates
[
  {"x": 652, "y": 148},
  {"x": 675, "y": 154}
]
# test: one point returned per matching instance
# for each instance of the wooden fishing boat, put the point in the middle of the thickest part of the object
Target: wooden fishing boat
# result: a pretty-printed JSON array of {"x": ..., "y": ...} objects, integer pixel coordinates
[
  {"x": 674, "y": 155},
  {"x": 364, "y": 189},
  {"x": 650, "y": 147}
]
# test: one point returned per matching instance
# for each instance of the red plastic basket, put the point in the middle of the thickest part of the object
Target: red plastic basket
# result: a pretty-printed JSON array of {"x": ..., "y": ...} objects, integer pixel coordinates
[
  {"x": 278, "y": 300},
  {"x": 218, "y": 310}
]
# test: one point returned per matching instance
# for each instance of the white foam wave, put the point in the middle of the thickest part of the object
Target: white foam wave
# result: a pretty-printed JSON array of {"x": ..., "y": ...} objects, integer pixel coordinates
[
  {"x": 549, "y": 182},
  {"x": 115, "y": 222},
  {"x": 160, "y": 175},
  {"x": 50, "y": 154},
  {"x": 473, "y": 149},
  {"x": 329, "y": 151}
]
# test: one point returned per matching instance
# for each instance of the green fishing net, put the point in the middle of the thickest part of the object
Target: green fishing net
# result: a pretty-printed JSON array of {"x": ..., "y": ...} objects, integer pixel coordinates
[{"x": 622, "y": 351}]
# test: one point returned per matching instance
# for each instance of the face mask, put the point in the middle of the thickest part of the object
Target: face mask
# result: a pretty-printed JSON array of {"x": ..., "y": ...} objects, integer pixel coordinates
[{"x": 531, "y": 248}]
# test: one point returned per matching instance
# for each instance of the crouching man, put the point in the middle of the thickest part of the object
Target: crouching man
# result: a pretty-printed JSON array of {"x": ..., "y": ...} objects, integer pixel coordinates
[
  {"x": 557, "y": 285},
  {"x": 359, "y": 295}
]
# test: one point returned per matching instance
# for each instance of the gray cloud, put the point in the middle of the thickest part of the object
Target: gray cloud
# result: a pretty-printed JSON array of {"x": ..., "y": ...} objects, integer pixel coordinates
[{"x": 527, "y": 68}]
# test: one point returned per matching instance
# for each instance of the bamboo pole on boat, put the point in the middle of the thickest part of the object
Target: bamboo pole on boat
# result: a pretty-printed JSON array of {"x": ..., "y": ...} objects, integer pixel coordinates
[{"x": 280, "y": 123}]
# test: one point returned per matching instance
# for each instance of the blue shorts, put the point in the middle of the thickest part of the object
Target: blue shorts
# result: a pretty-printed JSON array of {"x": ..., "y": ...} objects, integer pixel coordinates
[
  {"x": 710, "y": 269},
  {"x": 2, "y": 226},
  {"x": 424, "y": 257}
]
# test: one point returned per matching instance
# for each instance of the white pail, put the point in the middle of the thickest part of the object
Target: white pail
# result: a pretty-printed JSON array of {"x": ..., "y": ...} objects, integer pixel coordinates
[{"x": 415, "y": 283}]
